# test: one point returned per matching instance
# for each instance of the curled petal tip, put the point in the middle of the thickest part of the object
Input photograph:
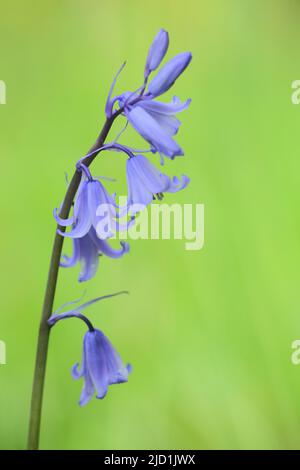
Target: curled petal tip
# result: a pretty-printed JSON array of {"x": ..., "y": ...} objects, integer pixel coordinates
[
  {"x": 60, "y": 221},
  {"x": 76, "y": 374},
  {"x": 126, "y": 249},
  {"x": 100, "y": 396}
]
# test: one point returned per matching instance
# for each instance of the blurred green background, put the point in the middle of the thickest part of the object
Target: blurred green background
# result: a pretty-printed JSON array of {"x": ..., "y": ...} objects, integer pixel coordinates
[{"x": 209, "y": 333}]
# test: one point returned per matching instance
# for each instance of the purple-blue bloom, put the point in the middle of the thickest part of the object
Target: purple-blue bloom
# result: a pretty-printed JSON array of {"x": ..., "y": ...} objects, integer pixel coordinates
[
  {"x": 93, "y": 205},
  {"x": 169, "y": 73},
  {"x": 101, "y": 364},
  {"x": 144, "y": 181},
  {"x": 157, "y": 51},
  {"x": 156, "y": 122},
  {"x": 87, "y": 250}
]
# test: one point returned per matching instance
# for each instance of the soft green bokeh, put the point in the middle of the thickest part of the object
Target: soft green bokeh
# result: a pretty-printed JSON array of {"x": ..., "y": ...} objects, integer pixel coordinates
[{"x": 209, "y": 333}]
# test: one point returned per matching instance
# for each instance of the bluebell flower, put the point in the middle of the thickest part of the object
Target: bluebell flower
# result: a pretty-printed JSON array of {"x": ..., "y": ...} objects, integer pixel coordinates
[
  {"x": 156, "y": 52},
  {"x": 156, "y": 122},
  {"x": 101, "y": 364},
  {"x": 145, "y": 181},
  {"x": 169, "y": 73},
  {"x": 94, "y": 208},
  {"x": 87, "y": 250}
]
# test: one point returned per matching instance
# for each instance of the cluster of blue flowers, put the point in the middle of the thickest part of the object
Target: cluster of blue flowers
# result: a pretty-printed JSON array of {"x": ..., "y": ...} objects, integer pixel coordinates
[{"x": 157, "y": 123}]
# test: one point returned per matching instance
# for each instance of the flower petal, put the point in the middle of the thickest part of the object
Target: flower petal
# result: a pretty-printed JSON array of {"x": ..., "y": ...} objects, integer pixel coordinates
[
  {"x": 88, "y": 387},
  {"x": 76, "y": 374},
  {"x": 157, "y": 51},
  {"x": 177, "y": 185},
  {"x": 169, "y": 73},
  {"x": 151, "y": 131},
  {"x": 101, "y": 206},
  {"x": 117, "y": 372},
  {"x": 149, "y": 175},
  {"x": 176, "y": 106},
  {"x": 138, "y": 193},
  {"x": 170, "y": 124},
  {"x": 81, "y": 215},
  {"x": 60, "y": 221},
  {"x": 164, "y": 113},
  {"x": 95, "y": 362},
  {"x": 89, "y": 258},
  {"x": 107, "y": 250},
  {"x": 104, "y": 247},
  {"x": 71, "y": 220},
  {"x": 87, "y": 391},
  {"x": 69, "y": 262}
]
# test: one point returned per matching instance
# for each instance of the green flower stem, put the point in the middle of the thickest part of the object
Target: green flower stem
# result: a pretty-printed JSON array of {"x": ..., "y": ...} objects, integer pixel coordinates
[{"x": 44, "y": 330}]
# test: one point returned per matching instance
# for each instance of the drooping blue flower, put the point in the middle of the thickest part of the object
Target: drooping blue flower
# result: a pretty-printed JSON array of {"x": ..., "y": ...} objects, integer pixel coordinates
[
  {"x": 145, "y": 182},
  {"x": 157, "y": 123},
  {"x": 87, "y": 250},
  {"x": 94, "y": 207},
  {"x": 157, "y": 51},
  {"x": 101, "y": 364}
]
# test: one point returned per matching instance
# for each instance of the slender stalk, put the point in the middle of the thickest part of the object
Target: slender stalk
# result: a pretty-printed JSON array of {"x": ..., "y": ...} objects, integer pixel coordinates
[{"x": 44, "y": 329}]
